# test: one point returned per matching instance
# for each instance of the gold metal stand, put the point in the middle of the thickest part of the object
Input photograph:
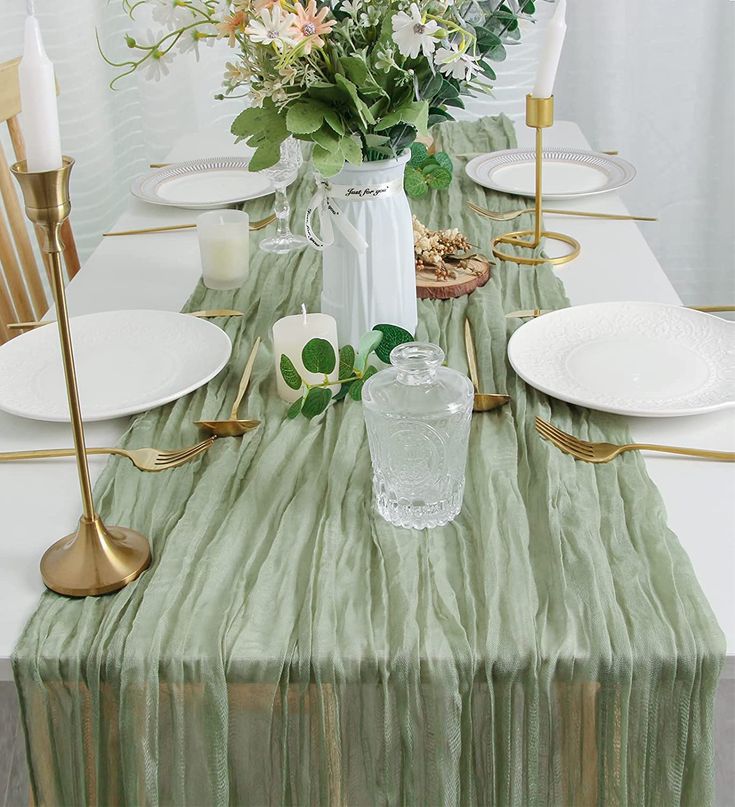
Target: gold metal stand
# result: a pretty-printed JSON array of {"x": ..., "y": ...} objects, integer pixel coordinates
[
  {"x": 95, "y": 559},
  {"x": 539, "y": 116}
]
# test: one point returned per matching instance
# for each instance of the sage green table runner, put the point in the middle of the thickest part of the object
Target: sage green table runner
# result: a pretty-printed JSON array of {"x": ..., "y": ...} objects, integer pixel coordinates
[{"x": 550, "y": 647}]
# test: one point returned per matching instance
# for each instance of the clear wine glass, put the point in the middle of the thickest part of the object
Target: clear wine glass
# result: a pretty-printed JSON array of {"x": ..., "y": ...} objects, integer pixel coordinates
[{"x": 283, "y": 173}]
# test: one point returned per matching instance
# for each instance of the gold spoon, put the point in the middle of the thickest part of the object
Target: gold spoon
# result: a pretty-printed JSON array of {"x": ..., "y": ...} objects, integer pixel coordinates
[
  {"x": 234, "y": 427},
  {"x": 483, "y": 401}
]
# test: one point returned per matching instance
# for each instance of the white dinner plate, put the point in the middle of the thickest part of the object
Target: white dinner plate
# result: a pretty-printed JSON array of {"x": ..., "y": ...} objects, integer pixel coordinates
[
  {"x": 203, "y": 184},
  {"x": 127, "y": 362},
  {"x": 645, "y": 359},
  {"x": 567, "y": 173}
]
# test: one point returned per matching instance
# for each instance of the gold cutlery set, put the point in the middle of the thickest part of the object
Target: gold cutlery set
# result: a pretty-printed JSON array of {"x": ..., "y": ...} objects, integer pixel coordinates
[
  {"x": 213, "y": 313},
  {"x": 153, "y": 459},
  {"x": 604, "y": 452}
]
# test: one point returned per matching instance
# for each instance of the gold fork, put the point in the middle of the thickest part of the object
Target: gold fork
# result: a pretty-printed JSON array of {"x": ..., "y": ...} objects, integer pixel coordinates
[
  {"x": 604, "y": 452},
  {"x": 514, "y": 214},
  {"x": 258, "y": 224},
  {"x": 144, "y": 459},
  {"x": 211, "y": 314}
]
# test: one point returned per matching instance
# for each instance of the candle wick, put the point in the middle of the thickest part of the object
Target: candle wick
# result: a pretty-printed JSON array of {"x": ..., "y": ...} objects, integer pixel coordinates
[{"x": 303, "y": 312}]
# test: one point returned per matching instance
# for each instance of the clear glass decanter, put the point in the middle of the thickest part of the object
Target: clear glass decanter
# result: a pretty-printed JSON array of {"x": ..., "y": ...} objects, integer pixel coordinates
[{"x": 418, "y": 417}]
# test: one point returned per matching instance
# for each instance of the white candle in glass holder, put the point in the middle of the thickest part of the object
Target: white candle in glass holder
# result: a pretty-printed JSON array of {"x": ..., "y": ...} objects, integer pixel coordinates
[
  {"x": 290, "y": 334},
  {"x": 224, "y": 246}
]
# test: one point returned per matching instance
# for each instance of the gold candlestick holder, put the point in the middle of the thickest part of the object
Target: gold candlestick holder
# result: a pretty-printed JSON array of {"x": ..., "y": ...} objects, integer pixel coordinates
[
  {"x": 539, "y": 116},
  {"x": 95, "y": 559}
]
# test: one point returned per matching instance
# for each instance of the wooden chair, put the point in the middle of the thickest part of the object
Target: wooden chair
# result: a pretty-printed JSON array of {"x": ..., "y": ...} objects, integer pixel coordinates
[{"x": 22, "y": 293}]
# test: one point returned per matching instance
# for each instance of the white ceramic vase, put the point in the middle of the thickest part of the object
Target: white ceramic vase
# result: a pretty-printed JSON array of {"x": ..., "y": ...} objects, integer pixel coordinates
[{"x": 361, "y": 289}]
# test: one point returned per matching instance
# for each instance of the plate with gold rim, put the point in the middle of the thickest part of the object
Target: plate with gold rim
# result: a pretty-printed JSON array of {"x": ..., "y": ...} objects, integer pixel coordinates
[{"x": 630, "y": 358}]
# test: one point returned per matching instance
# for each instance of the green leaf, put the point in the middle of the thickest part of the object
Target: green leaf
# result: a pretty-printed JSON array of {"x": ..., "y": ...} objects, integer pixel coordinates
[
  {"x": 415, "y": 183},
  {"x": 343, "y": 390},
  {"x": 318, "y": 356},
  {"x": 374, "y": 141},
  {"x": 305, "y": 117},
  {"x": 295, "y": 409},
  {"x": 356, "y": 388},
  {"x": 444, "y": 160},
  {"x": 346, "y": 361},
  {"x": 327, "y": 138},
  {"x": 315, "y": 402},
  {"x": 419, "y": 155},
  {"x": 360, "y": 106},
  {"x": 289, "y": 373},
  {"x": 439, "y": 178},
  {"x": 334, "y": 121},
  {"x": 351, "y": 150},
  {"x": 328, "y": 163},
  {"x": 265, "y": 156},
  {"x": 355, "y": 69},
  {"x": 368, "y": 343},
  {"x": 414, "y": 114},
  {"x": 393, "y": 335}
]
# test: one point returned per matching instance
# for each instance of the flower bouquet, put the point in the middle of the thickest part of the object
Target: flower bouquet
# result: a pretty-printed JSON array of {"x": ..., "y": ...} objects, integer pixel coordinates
[{"x": 359, "y": 80}]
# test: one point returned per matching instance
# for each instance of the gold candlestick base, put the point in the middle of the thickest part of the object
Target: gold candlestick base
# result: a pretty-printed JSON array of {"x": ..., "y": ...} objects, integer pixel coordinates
[
  {"x": 95, "y": 559},
  {"x": 539, "y": 116}
]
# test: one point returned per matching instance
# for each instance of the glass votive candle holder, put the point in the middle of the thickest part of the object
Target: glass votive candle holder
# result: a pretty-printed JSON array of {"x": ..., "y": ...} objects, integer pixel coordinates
[{"x": 224, "y": 246}]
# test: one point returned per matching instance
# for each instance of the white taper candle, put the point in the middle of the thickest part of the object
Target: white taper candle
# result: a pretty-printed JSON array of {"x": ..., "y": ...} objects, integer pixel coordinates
[
  {"x": 38, "y": 101},
  {"x": 555, "y": 32}
]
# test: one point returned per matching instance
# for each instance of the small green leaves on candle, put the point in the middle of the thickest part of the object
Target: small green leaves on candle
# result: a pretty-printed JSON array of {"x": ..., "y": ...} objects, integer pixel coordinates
[
  {"x": 316, "y": 401},
  {"x": 346, "y": 361},
  {"x": 290, "y": 373},
  {"x": 318, "y": 356},
  {"x": 295, "y": 409},
  {"x": 393, "y": 336}
]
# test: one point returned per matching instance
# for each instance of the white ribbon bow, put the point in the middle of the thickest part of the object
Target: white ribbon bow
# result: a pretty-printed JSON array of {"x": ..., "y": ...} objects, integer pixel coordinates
[{"x": 330, "y": 214}]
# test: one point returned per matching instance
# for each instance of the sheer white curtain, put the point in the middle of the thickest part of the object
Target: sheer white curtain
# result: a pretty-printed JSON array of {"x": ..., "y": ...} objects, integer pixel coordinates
[
  {"x": 654, "y": 80},
  {"x": 114, "y": 135}
]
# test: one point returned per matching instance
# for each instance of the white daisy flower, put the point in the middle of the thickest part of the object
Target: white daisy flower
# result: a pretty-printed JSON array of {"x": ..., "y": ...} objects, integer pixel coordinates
[
  {"x": 273, "y": 28},
  {"x": 412, "y": 34},
  {"x": 156, "y": 65},
  {"x": 455, "y": 63},
  {"x": 171, "y": 13},
  {"x": 191, "y": 40},
  {"x": 351, "y": 7}
]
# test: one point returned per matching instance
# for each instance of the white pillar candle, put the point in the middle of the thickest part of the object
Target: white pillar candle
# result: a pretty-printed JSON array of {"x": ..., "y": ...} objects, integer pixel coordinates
[
  {"x": 290, "y": 334},
  {"x": 555, "y": 32},
  {"x": 224, "y": 246},
  {"x": 38, "y": 101}
]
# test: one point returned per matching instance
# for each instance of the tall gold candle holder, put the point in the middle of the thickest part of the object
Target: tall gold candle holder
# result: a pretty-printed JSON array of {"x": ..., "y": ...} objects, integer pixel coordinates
[
  {"x": 539, "y": 116},
  {"x": 95, "y": 559}
]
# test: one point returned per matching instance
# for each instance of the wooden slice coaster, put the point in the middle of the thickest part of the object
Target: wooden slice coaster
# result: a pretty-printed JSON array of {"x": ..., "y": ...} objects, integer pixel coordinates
[{"x": 476, "y": 274}]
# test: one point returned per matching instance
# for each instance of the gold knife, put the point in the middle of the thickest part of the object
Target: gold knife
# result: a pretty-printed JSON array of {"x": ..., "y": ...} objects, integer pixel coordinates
[{"x": 532, "y": 313}]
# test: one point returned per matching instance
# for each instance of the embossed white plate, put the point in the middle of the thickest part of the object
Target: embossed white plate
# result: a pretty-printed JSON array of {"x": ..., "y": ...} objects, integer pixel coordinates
[
  {"x": 127, "y": 362},
  {"x": 202, "y": 184},
  {"x": 567, "y": 173},
  {"x": 644, "y": 359}
]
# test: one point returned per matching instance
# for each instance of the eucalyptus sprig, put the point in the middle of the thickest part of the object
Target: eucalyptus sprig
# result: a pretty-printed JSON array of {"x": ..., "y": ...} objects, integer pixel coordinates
[
  {"x": 426, "y": 171},
  {"x": 318, "y": 357}
]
